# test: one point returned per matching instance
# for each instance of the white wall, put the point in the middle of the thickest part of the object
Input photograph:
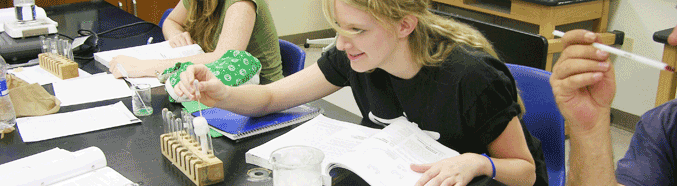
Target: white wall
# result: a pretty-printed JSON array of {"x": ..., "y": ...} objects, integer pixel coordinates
[
  {"x": 639, "y": 19},
  {"x": 297, "y": 16}
]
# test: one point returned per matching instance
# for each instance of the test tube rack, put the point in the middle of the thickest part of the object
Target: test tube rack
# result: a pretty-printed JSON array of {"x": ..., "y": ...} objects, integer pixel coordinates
[
  {"x": 58, "y": 65},
  {"x": 185, "y": 153}
]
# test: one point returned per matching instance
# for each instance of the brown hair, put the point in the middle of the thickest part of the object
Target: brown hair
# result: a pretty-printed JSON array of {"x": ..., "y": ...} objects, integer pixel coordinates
[{"x": 202, "y": 22}]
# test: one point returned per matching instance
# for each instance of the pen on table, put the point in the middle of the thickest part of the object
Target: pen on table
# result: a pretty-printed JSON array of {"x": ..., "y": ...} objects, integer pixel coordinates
[
  {"x": 150, "y": 40},
  {"x": 650, "y": 62}
]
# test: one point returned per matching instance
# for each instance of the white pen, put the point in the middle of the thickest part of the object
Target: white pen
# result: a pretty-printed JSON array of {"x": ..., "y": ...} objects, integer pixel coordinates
[
  {"x": 150, "y": 40},
  {"x": 650, "y": 62}
]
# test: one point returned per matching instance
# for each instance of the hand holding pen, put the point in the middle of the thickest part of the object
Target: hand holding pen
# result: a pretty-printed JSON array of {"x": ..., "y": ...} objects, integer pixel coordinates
[
  {"x": 637, "y": 58},
  {"x": 583, "y": 82}
]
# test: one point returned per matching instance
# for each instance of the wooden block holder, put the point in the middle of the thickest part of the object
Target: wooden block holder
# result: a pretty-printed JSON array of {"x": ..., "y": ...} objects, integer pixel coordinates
[
  {"x": 185, "y": 153},
  {"x": 58, "y": 65}
]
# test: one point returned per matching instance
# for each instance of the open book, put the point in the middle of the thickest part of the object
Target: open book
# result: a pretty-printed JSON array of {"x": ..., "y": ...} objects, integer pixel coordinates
[
  {"x": 58, "y": 167},
  {"x": 161, "y": 50},
  {"x": 380, "y": 157}
]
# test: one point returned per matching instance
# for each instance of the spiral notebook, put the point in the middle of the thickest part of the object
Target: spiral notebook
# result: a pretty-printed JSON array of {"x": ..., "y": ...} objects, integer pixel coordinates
[{"x": 235, "y": 126}]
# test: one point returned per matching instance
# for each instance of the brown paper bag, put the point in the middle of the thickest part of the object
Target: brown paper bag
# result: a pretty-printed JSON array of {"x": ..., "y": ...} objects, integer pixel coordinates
[{"x": 31, "y": 99}]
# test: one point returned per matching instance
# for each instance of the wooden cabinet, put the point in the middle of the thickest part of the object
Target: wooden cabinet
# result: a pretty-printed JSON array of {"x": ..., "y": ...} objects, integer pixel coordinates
[{"x": 148, "y": 10}]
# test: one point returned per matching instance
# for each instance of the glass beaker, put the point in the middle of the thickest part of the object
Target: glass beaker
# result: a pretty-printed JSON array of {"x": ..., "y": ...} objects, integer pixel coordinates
[
  {"x": 24, "y": 10},
  {"x": 297, "y": 165}
]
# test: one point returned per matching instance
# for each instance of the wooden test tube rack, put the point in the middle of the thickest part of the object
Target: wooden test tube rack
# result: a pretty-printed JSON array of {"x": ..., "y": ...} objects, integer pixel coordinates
[
  {"x": 58, "y": 65},
  {"x": 185, "y": 153}
]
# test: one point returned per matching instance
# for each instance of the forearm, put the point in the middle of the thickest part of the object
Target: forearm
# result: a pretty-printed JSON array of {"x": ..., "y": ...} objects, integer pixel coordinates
[
  {"x": 513, "y": 171},
  {"x": 171, "y": 28},
  {"x": 250, "y": 100},
  {"x": 591, "y": 161}
]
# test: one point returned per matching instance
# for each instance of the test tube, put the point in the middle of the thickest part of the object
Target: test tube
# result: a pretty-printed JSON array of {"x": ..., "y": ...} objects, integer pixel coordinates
[
  {"x": 170, "y": 115},
  {"x": 43, "y": 43},
  {"x": 202, "y": 130},
  {"x": 64, "y": 48},
  {"x": 188, "y": 124},
  {"x": 70, "y": 52},
  {"x": 164, "y": 120},
  {"x": 179, "y": 126},
  {"x": 54, "y": 49}
]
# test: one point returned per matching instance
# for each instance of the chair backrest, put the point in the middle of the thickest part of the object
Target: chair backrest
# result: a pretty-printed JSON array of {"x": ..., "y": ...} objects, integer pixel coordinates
[
  {"x": 542, "y": 118},
  {"x": 513, "y": 46},
  {"x": 164, "y": 16},
  {"x": 293, "y": 57}
]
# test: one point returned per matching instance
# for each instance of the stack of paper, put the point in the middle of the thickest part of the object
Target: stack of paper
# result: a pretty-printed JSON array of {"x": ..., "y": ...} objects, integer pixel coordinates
[
  {"x": 40, "y": 128},
  {"x": 161, "y": 50}
]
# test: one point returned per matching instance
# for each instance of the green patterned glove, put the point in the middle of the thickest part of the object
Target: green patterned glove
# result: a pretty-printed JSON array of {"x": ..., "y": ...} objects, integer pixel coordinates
[{"x": 233, "y": 68}]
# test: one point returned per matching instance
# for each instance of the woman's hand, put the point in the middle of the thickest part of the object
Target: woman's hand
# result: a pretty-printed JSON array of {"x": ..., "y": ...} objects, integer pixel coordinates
[
  {"x": 182, "y": 39},
  {"x": 134, "y": 67},
  {"x": 457, "y": 171},
  {"x": 212, "y": 90},
  {"x": 583, "y": 81}
]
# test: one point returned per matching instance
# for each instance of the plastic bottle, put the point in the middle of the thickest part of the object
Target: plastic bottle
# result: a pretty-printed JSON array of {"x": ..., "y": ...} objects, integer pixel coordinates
[{"x": 7, "y": 115}]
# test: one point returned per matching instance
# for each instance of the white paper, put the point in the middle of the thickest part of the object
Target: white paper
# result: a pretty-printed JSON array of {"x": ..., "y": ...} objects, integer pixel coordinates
[
  {"x": 36, "y": 160},
  {"x": 94, "y": 88},
  {"x": 161, "y": 50},
  {"x": 35, "y": 74},
  {"x": 65, "y": 124},
  {"x": 8, "y": 14},
  {"x": 153, "y": 82},
  {"x": 61, "y": 167}
]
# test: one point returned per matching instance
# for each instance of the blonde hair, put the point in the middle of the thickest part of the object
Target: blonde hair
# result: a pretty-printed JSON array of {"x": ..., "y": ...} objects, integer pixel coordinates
[
  {"x": 433, "y": 38},
  {"x": 431, "y": 41},
  {"x": 202, "y": 22}
]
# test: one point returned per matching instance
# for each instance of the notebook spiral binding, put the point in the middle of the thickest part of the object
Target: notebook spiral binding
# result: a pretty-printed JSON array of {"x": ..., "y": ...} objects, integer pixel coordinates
[{"x": 278, "y": 125}]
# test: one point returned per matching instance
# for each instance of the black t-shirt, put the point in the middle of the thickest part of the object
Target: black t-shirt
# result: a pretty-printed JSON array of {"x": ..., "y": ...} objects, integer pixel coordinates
[{"x": 469, "y": 99}]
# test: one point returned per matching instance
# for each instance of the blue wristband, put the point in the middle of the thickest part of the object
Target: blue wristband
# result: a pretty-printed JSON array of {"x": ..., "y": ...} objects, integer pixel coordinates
[{"x": 493, "y": 174}]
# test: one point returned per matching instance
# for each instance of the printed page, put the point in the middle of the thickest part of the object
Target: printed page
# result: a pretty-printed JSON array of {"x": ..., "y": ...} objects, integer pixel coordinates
[
  {"x": 333, "y": 137},
  {"x": 77, "y": 163},
  {"x": 384, "y": 158}
]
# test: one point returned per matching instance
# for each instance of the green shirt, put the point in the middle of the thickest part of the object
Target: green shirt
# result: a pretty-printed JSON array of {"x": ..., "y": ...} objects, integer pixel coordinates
[{"x": 263, "y": 44}]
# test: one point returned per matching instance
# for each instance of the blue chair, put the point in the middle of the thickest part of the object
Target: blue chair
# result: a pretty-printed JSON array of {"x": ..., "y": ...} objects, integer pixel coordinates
[
  {"x": 293, "y": 58},
  {"x": 164, "y": 16},
  {"x": 542, "y": 118}
]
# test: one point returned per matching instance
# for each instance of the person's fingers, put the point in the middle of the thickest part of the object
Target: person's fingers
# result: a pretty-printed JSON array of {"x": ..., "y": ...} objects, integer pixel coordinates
[
  {"x": 584, "y": 52},
  {"x": 186, "y": 80},
  {"x": 187, "y": 92},
  {"x": 187, "y": 39},
  {"x": 450, "y": 181},
  {"x": 427, "y": 177},
  {"x": 116, "y": 74},
  {"x": 672, "y": 39},
  {"x": 579, "y": 36},
  {"x": 579, "y": 66},
  {"x": 577, "y": 81},
  {"x": 172, "y": 43},
  {"x": 420, "y": 168}
]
